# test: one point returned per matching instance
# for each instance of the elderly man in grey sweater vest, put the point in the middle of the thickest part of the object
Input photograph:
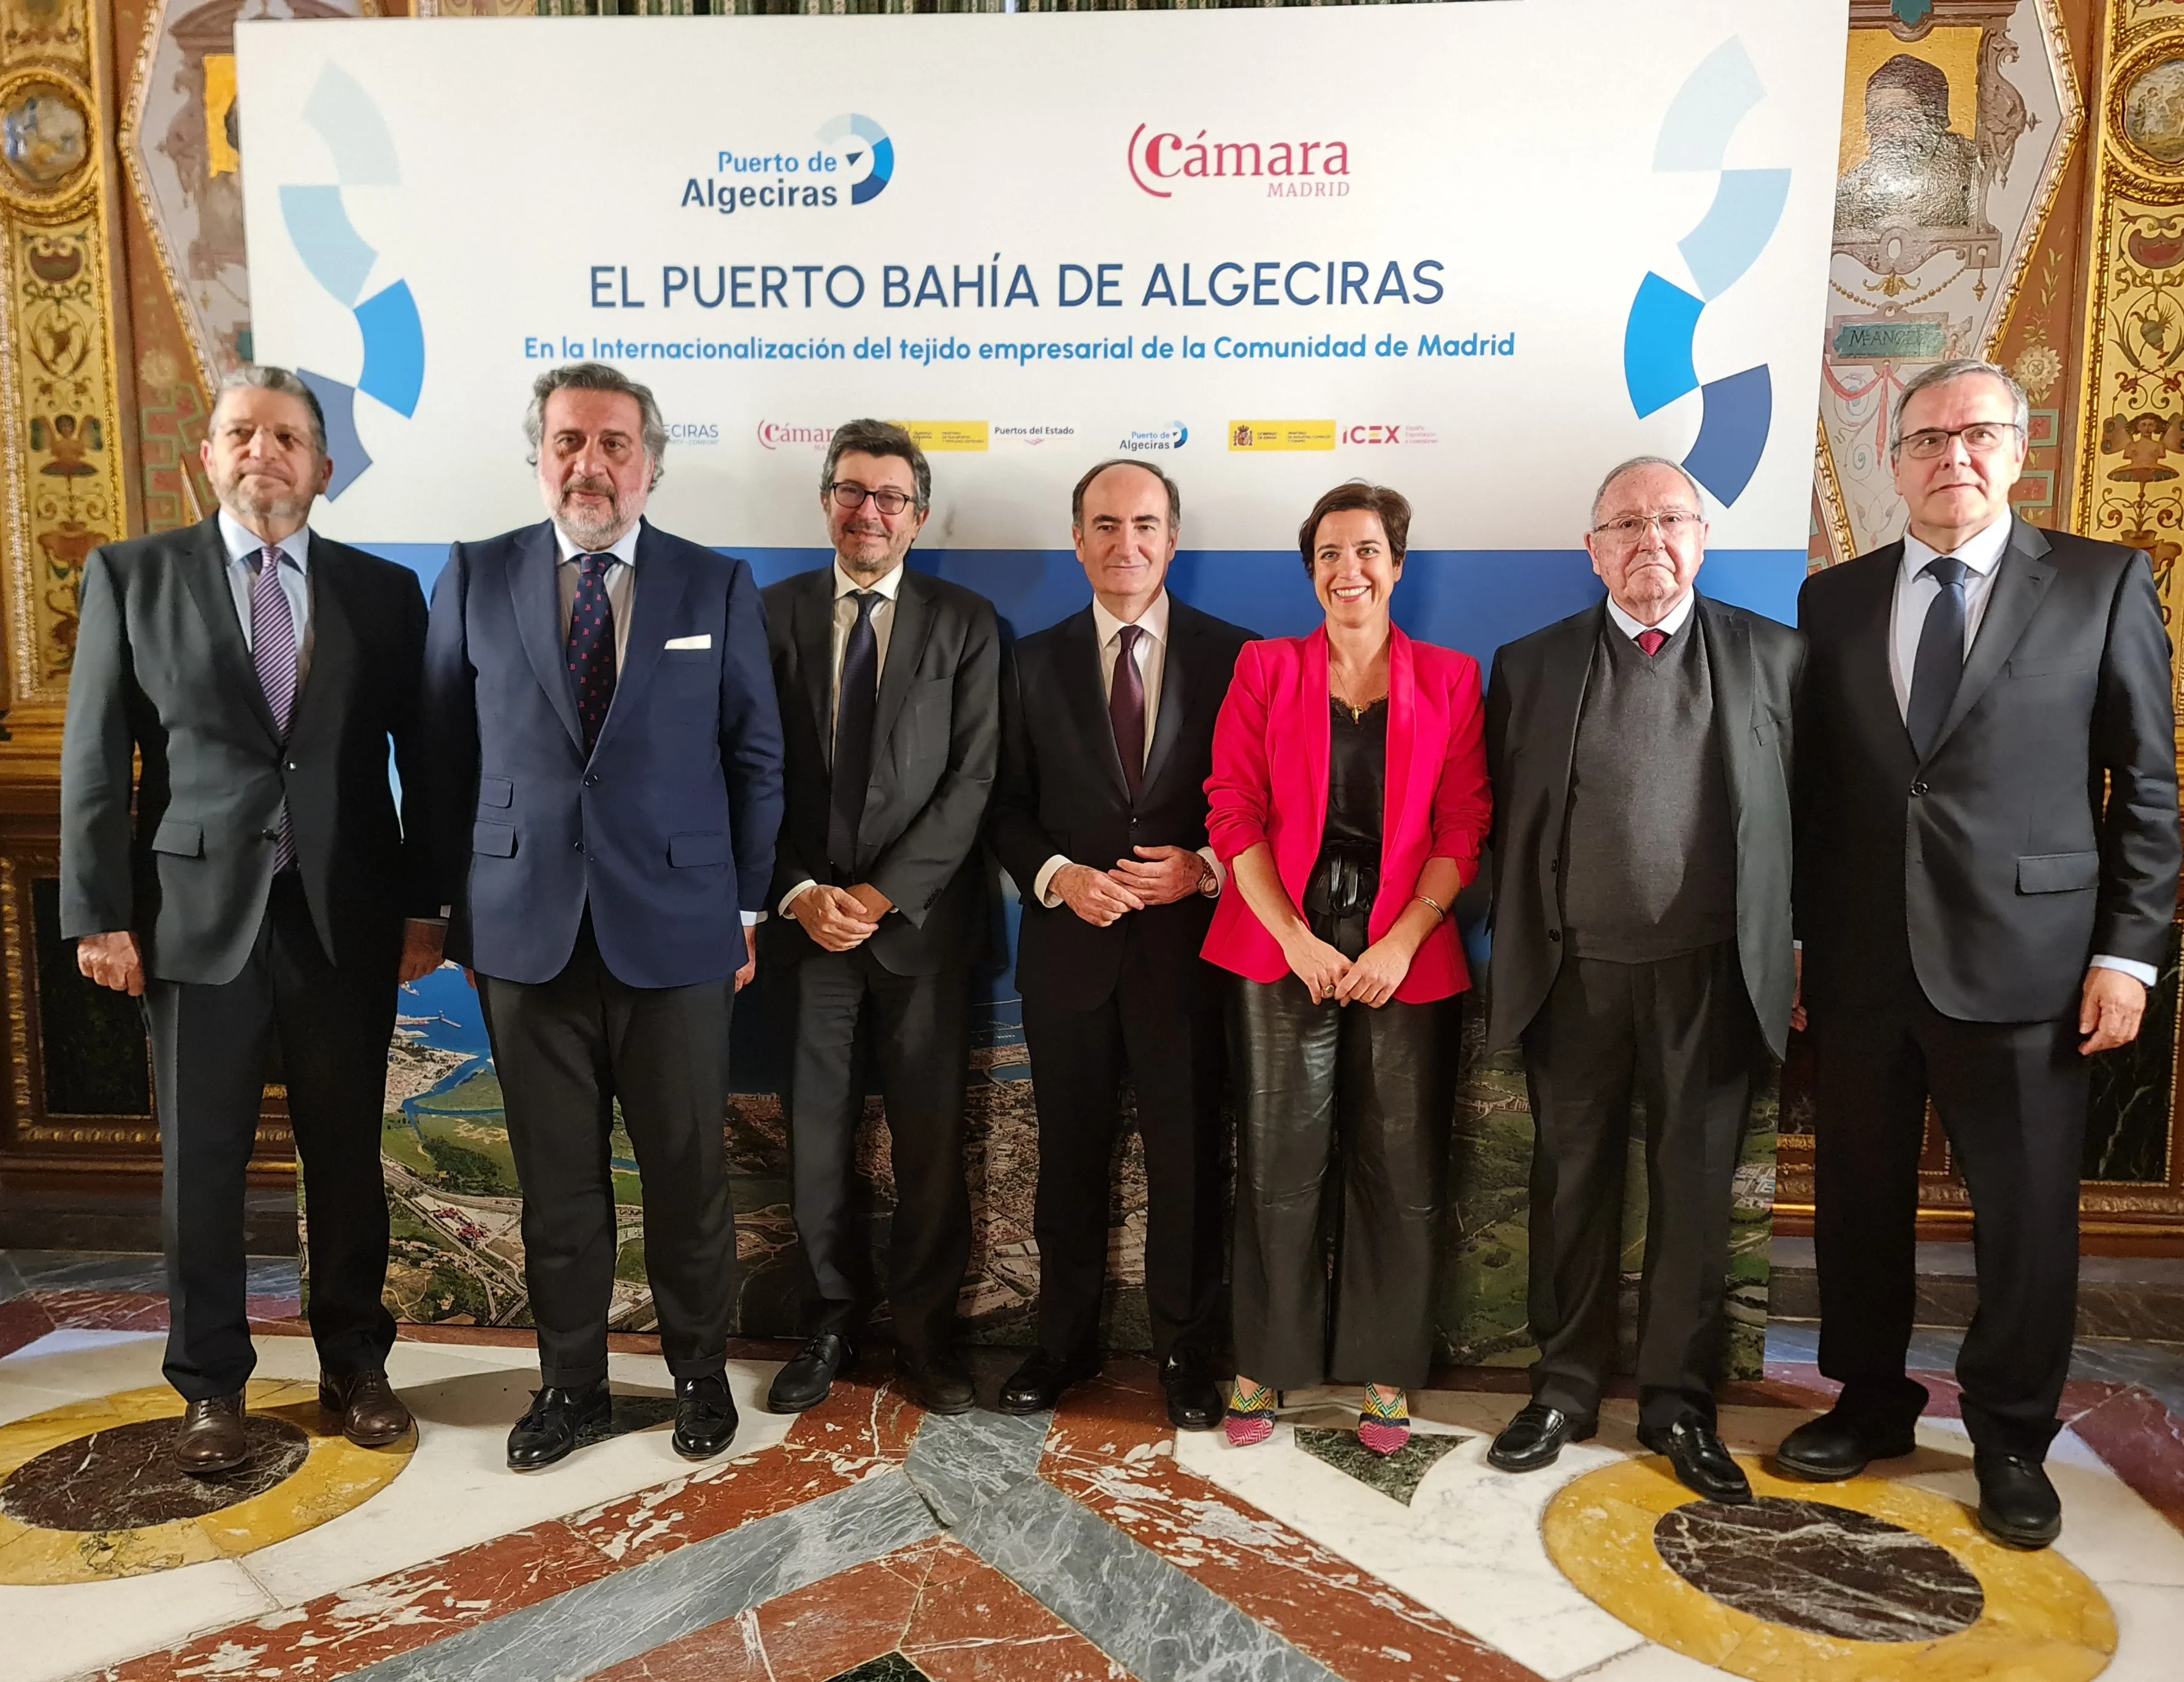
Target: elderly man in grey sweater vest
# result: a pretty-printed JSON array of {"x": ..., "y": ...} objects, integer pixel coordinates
[{"x": 1642, "y": 952}]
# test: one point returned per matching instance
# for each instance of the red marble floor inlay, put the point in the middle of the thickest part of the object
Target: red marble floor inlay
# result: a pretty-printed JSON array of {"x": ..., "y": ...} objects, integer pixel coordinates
[
  {"x": 972, "y": 1624},
  {"x": 2142, "y": 1443},
  {"x": 1110, "y": 1450},
  {"x": 22, "y": 1322}
]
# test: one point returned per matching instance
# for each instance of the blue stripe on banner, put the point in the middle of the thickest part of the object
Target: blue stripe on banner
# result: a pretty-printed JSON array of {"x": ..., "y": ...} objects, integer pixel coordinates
[{"x": 1472, "y": 599}]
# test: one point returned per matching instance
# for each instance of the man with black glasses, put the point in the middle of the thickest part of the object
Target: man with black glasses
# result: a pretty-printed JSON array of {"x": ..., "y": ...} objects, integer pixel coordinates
[
  {"x": 1987, "y": 873},
  {"x": 889, "y": 688}
]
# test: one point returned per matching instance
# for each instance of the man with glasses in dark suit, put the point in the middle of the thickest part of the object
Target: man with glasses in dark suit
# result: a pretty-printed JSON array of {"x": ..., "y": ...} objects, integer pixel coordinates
[{"x": 891, "y": 705}]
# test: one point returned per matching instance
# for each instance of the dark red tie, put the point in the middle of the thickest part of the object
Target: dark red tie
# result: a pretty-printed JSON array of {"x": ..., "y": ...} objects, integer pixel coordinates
[
  {"x": 1650, "y": 641},
  {"x": 1126, "y": 707}
]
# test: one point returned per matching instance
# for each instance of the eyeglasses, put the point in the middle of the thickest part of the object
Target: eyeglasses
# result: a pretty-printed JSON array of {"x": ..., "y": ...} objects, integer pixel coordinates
[
  {"x": 1631, "y": 527},
  {"x": 850, "y": 497},
  {"x": 1981, "y": 438}
]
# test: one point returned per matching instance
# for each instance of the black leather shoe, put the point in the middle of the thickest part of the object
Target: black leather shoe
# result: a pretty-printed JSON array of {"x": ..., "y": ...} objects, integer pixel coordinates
[
  {"x": 1835, "y": 1446},
  {"x": 804, "y": 1382},
  {"x": 1038, "y": 1385},
  {"x": 704, "y": 1417},
  {"x": 1194, "y": 1402},
  {"x": 938, "y": 1383},
  {"x": 1702, "y": 1460},
  {"x": 549, "y": 1429},
  {"x": 1534, "y": 1438},
  {"x": 210, "y": 1441},
  {"x": 2018, "y": 1506}
]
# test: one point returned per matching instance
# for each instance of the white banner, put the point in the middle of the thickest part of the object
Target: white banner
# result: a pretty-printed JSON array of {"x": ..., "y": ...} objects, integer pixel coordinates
[{"x": 1478, "y": 252}]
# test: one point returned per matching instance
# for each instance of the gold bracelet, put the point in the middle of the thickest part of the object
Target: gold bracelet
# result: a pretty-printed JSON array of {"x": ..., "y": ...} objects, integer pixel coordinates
[{"x": 1439, "y": 910}]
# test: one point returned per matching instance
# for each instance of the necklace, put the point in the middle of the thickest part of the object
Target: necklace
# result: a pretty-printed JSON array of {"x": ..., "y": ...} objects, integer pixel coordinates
[{"x": 1357, "y": 713}]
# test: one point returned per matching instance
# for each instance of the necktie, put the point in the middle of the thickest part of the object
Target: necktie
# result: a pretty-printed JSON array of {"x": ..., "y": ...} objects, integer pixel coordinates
[
  {"x": 1126, "y": 707},
  {"x": 592, "y": 647},
  {"x": 273, "y": 651},
  {"x": 1650, "y": 641},
  {"x": 1939, "y": 666},
  {"x": 853, "y": 735}
]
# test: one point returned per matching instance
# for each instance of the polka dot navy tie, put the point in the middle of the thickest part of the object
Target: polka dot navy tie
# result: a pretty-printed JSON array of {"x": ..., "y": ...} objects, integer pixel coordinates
[{"x": 592, "y": 647}]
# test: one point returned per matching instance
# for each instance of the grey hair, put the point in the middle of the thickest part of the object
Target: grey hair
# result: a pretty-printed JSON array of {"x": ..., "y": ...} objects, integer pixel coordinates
[
  {"x": 1632, "y": 466},
  {"x": 262, "y": 376},
  {"x": 1084, "y": 484},
  {"x": 1958, "y": 368},
  {"x": 879, "y": 437},
  {"x": 596, "y": 376}
]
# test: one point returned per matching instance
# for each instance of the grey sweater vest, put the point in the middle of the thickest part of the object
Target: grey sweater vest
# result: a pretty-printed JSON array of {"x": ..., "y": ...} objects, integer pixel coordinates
[{"x": 1649, "y": 859}]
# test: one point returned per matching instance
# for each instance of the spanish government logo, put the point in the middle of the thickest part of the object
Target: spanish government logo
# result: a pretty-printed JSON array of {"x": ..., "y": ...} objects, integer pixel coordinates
[
  {"x": 865, "y": 153},
  {"x": 1658, "y": 340},
  {"x": 362, "y": 153}
]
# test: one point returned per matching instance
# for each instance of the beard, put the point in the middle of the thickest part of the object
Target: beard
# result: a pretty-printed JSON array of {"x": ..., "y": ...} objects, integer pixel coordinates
[
  {"x": 590, "y": 531},
  {"x": 257, "y": 500}
]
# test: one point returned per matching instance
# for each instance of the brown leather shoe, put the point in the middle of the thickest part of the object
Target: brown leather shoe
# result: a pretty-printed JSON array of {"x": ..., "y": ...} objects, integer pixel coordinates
[
  {"x": 210, "y": 1441},
  {"x": 372, "y": 1415}
]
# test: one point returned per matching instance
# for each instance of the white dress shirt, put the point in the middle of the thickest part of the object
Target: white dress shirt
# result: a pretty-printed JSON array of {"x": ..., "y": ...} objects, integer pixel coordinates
[
  {"x": 1671, "y": 621},
  {"x": 845, "y": 620},
  {"x": 1916, "y": 589},
  {"x": 1151, "y": 657},
  {"x": 243, "y": 548},
  {"x": 621, "y": 583}
]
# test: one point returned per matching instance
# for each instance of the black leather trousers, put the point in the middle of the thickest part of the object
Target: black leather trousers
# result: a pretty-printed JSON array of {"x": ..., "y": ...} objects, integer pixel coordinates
[{"x": 1342, "y": 1151}]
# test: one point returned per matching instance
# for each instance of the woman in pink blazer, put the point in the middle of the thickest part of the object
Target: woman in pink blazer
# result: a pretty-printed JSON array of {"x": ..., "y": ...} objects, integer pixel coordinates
[{"x": 1349, "y": 800}]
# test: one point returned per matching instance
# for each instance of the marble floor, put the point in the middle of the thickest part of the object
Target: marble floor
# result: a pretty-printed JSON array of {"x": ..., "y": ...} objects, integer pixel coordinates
[{"x": 866, "y": 1541}]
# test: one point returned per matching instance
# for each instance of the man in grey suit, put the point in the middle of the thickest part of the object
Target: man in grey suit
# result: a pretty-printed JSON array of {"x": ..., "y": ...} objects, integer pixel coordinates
[
  {"x": 1640, "y": 757},
  {"x": 890, "y": 706},
  {"x": 1986, "y": 878},
  {"x": 258, "y": 901}
]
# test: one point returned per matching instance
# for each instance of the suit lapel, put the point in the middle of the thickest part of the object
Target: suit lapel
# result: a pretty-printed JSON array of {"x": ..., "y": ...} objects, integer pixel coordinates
[
  {"x": 333, "y": 641},
  {"x": 913, "y": 623},
  {"x": 1868, "y": 686},
  {"x": 1402, "y": 737},
  {"x": 1728, "y": 640},
  {"x": 811, "y": 625},
  {"x": 1565, "y": 675},
  {"x": 205, "y": 566},
  {"x": 535, "y": 594},
  {"x": 658, "y": 587},
  {"x": 2019, "y": 588},
  {"x": 1084, "y": 694},
  {"x": 1175, "y": 698}
]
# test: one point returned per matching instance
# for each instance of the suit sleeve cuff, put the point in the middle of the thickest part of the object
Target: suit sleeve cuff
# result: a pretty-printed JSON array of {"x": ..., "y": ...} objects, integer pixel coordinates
[
  {"x": 752, "y": 919},
  {"x": 1042, "y": 885},
  {"x": 2144, "y": 974},
  {"x": 789, "y": 898},
  {"x": 1220, "y": 871}
]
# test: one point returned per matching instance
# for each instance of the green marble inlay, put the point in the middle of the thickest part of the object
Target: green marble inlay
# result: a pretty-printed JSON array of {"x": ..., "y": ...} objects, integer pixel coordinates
[
  {"x": 886, "y": 1668},
  {"x": 1396, "y": 1476}
]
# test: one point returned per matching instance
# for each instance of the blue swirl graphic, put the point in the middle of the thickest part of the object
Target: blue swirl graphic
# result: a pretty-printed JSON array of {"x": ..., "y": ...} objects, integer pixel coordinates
[
  {"x": 870, "y": 141},
  {"x": 340, "y": 259},
  {"x": 1659, "y": 365}
]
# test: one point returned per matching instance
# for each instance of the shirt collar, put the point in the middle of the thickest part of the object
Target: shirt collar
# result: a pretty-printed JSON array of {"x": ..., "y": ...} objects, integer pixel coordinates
[
  {"x": 623, "y": 549},
  {"x": 1153, "y": 621},
  {"x": 243, "y": 543},
  {"x": 1671, "y": 623},
  {"x": 1981, "y": 552},
  {"x": 845, "y": 585}
]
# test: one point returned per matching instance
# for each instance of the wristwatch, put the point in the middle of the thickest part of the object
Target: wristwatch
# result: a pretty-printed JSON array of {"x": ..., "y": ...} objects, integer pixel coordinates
[{"x": 1209, "y": 879}]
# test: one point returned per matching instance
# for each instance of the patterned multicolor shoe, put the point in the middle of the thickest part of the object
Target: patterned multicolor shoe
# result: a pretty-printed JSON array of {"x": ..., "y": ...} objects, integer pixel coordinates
[
  {"x": 1249, "y": 1418},
  {"x": 1383, "y": 1423}
]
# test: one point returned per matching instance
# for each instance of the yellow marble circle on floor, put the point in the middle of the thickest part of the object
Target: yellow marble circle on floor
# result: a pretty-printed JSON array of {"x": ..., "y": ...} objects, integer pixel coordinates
[
  {"x": 331, "y": 1476},
  {"x": 1913, "y": 1564}
]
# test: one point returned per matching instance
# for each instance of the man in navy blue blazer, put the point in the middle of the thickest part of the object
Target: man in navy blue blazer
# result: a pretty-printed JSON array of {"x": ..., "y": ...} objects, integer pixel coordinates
[{"x": 606, "y": 760}]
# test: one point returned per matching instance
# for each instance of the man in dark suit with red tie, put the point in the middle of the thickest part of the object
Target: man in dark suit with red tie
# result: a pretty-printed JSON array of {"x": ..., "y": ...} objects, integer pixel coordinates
[
  {"x": 1987, "y": 861},
  {"x": 606, "y": 760},
  {"x": 1100, "y": 819}
]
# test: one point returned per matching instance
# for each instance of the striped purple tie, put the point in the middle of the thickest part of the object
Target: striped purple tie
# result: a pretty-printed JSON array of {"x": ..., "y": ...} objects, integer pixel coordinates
[{"x": 273, "y": 651}]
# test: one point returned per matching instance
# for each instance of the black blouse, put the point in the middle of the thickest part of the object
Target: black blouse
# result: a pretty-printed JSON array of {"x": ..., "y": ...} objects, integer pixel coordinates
[{"x": 1356, "y": 775}]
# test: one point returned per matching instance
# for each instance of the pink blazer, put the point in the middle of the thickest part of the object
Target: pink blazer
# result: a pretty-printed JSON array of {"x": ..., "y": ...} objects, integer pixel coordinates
[{"x": 1269, "y": 783}]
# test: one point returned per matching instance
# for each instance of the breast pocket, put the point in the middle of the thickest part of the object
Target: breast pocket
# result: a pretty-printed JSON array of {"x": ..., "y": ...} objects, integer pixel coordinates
[{"x": 690, "y": 672}]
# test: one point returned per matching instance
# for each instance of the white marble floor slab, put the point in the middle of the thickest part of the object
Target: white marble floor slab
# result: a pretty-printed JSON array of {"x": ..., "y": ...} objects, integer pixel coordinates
[{"x": 456, "y": 1492}]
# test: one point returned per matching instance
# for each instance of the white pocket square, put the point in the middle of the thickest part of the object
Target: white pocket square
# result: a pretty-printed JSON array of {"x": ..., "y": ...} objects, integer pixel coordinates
[{"x": 704, "y": 642}]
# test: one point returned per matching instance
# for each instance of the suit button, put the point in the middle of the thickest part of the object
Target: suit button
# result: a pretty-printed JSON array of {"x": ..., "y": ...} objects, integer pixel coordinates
[
  {"x": 1554, "y": 934},
  {"x": 1917, "y": 789},
  {"x": 591, "y": 780},
  {"x": 578, "y": 845},
  {"x": 292, "y": 765},
  {"x": 1555, "y": 868},
  {"x": 268, "y": 835}
]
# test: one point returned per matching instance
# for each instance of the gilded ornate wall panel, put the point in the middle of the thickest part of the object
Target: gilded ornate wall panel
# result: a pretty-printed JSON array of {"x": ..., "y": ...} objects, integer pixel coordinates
[
  {"x": 60, "y": 373},
  {"x": 1958, "y": 119}
]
